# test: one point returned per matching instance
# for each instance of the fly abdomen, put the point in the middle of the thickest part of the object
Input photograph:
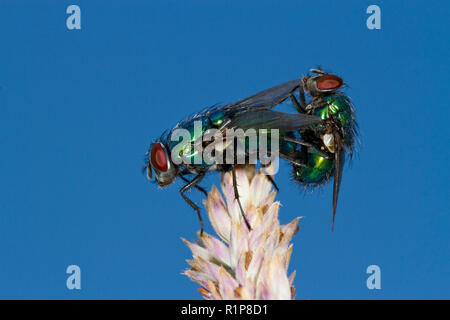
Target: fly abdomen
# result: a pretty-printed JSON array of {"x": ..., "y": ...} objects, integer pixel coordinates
[{"x": 318, "y": 170}]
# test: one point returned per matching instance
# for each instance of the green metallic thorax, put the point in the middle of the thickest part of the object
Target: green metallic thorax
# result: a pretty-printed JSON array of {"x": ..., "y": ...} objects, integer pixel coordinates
[
  {"x": 214, "y": 119},
  {"x": 340, "y": 107},
  {"x": 319, "y": 168}
]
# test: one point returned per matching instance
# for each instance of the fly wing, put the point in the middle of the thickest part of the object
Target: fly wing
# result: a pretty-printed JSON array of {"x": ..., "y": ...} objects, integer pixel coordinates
[
  {"x": 260, "y": 120},
  {"x": 270, "y": 119},
  {"x": 263, "y": 100},
  {"x": 269, "y": 97},
  {"x": 242, "y": 114}
]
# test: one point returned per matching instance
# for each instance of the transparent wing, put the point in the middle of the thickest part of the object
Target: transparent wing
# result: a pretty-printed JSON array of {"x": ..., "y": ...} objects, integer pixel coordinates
[
  {"x": 251, "y": 112},
  {"x": 269, "y": 97},
  {"x": 270, "y": 119},
  {"x": 258, "y": 120}
]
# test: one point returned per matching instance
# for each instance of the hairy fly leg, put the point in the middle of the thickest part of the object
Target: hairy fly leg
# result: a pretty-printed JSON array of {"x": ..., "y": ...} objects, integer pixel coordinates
[
  {"x": 196, "y": 186},
  {"x": 270, "y": 177},
  {"x": 191, "y": 184},
  {"x": 236, "y": 195},
  {"x": 299, "y": 105}
]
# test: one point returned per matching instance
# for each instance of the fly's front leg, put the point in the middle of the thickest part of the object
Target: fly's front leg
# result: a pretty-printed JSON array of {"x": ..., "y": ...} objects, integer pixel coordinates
[
  {"x": 299, "y": 106},
  {"x": 301, "y": 93},
  {"x": 318, "y": 70},
  {"x": 191, "y": 184},
  {"x": 236, "y": 195}
]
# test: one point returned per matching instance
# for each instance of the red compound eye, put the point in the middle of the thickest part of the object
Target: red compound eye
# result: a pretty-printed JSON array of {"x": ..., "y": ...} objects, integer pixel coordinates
[
  {"x": 158, "y": 157},
  {"x": 329, "y": 82}
]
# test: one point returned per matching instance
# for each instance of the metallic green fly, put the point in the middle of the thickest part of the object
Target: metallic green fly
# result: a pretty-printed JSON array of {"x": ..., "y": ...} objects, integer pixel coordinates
[{"x": 324, "y": 146}]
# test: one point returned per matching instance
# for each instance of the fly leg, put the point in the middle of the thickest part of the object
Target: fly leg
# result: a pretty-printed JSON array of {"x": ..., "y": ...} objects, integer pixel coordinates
[
  {"x": 301, "y": 92},
  {"x": 196, "y": 186},
  {"x": 270, "y": 178},
  {"x": 302, "y": 143},
  {"x": 300, "y": 106},
  {"x": 309, "y": 145},
  {"x": 318, "y": 70},
  {"x": 292, "y": 160},
  {"x": 191, "y": 184},
  {"x": 236, "y": 195}
]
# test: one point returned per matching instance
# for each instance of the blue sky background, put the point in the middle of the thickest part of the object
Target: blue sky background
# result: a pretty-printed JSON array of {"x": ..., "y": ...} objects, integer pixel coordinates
[{"x": 78, "y": 109}]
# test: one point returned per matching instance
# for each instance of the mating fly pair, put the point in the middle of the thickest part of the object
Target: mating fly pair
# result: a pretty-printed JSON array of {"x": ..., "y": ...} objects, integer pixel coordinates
[{"x": 314, "y": 140}]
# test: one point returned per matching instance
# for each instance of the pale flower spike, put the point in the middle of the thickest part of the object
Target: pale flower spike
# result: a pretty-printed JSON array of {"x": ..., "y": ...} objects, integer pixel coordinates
[{"x": 244, "y": 264}]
